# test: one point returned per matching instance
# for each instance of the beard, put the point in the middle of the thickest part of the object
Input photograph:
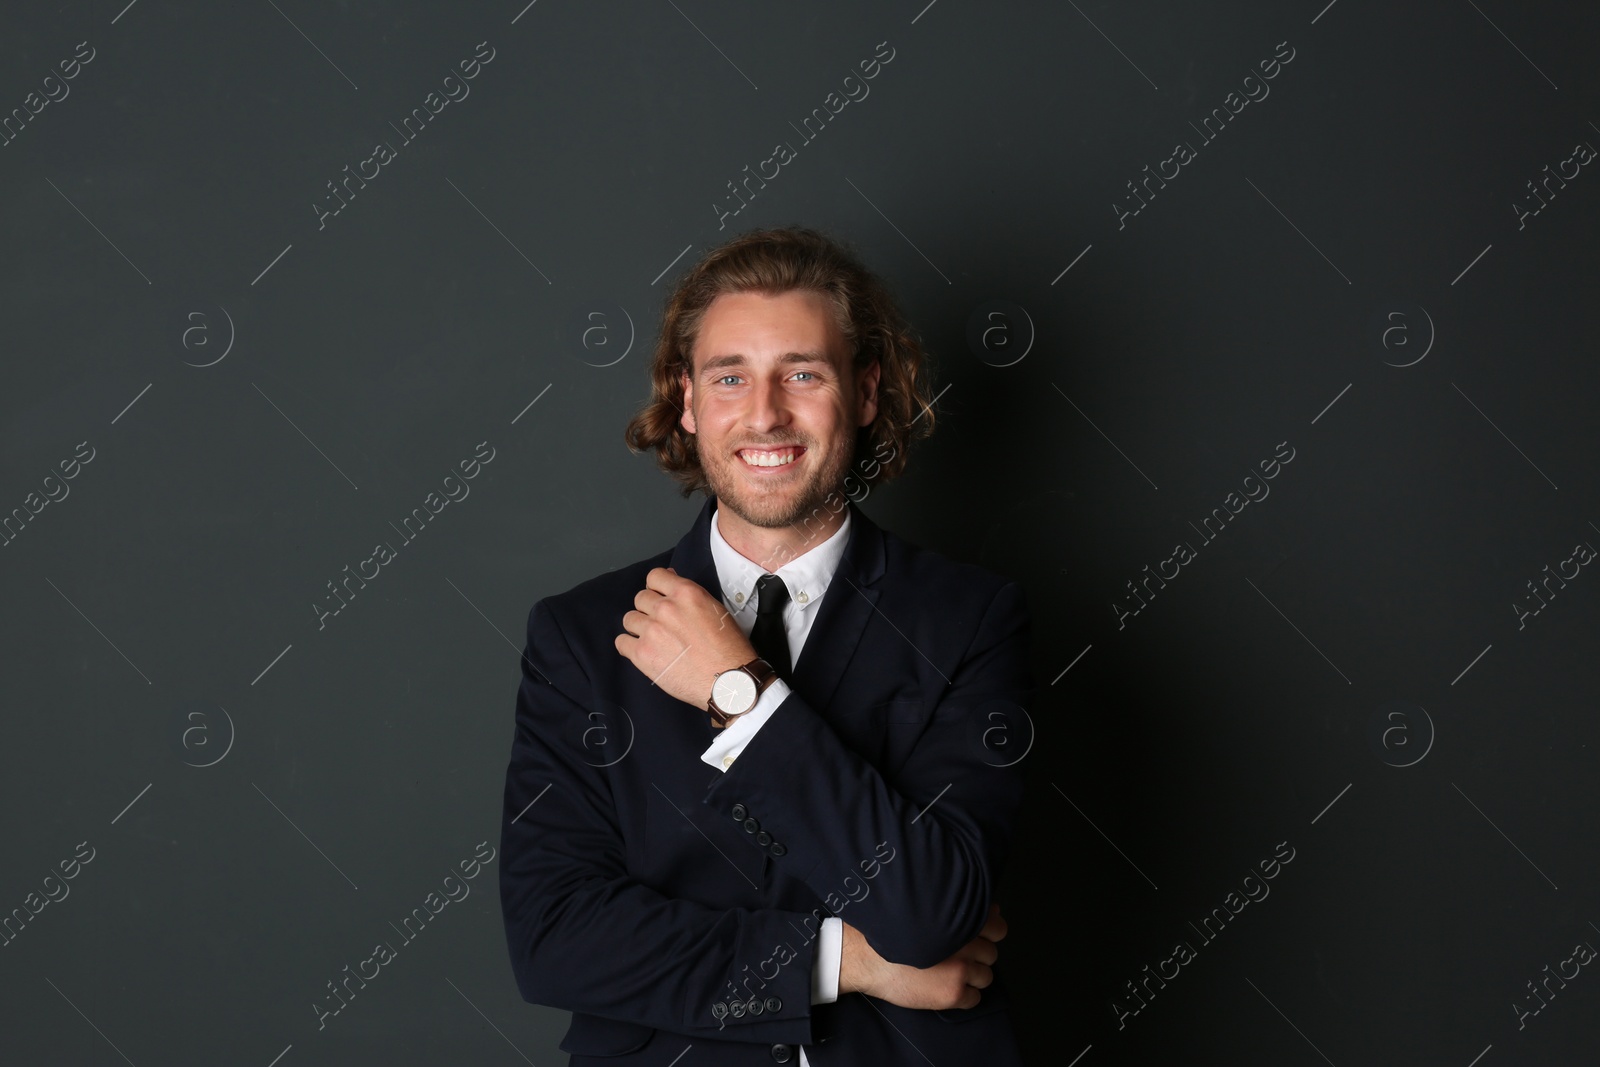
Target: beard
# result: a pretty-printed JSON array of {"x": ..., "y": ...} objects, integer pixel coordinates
[{"x": 780, "y": 505}]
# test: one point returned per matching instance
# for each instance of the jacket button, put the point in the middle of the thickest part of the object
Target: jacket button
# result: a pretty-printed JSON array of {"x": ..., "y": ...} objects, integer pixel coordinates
[
  {"x": 751, "y": 826},
  {"x": 719, "y": 1010},
  {"x": 763, "y": 839},
  {"x": 781, "y": 1053},
  {"x": 755, "y": 1007},
  {"x": 774, "y": 1005},
  {"x": 778, "y": 849},
  {"x": 739, "y": 812},
  {"x": 736, "y": 1009}
]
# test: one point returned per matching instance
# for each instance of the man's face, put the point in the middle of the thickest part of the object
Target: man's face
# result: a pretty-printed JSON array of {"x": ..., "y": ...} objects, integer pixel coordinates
[{"x": 773, "y": 373}]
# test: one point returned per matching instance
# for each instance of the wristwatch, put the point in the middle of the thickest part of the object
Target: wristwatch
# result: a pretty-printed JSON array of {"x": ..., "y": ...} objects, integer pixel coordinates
[{"x": 737, "y": 689}]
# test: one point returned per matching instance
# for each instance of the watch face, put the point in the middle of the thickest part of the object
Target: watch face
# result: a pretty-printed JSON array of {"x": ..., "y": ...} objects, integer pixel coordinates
[{"x": 735, "y": 692}]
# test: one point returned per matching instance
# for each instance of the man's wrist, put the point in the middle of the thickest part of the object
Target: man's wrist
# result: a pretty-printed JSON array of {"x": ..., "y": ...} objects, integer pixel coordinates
[{"x": 859, "y": 965}]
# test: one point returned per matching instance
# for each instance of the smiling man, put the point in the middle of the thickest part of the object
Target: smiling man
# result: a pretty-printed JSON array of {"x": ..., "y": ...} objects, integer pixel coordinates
[
  {"x": 759, "y": 794},
  {"x": 774, "y": 415}
]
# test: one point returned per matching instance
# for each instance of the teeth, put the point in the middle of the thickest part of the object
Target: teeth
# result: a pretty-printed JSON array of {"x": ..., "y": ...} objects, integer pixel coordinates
[{"x": 768, "y": 459}]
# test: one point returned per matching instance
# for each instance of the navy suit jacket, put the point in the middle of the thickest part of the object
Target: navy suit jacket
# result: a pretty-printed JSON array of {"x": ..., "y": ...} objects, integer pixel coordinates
[{"x": 666, "y": 903}]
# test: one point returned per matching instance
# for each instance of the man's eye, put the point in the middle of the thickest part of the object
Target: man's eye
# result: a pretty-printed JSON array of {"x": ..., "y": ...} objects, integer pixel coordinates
[{"x": 726, "y": 378}]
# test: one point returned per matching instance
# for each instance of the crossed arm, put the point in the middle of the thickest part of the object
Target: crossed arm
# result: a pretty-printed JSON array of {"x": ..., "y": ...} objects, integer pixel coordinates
[
  {"x": 925, "y": 940},
  {"x": 955, "y": 983}
]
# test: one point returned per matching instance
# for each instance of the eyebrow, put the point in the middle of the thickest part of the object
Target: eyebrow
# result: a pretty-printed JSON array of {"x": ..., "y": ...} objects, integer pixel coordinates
[{"x": 737, "y": 359}]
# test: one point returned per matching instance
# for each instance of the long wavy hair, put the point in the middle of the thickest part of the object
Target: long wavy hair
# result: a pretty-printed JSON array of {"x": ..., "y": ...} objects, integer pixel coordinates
[{"x": 773, "y": 262}]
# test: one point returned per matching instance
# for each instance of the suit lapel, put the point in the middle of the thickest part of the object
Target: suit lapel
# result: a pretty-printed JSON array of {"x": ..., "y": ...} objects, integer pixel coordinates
[{"x": 850, "y": 601}]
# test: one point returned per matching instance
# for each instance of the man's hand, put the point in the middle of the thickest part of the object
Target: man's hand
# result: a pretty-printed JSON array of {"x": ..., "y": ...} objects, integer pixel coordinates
[
  {"x": 955, "y": 983},
  {"x": 681, "y": 637}
]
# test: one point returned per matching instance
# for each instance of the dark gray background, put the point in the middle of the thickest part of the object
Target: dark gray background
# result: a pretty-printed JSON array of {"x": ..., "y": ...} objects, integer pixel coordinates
[{"x": 164, "y": 209}]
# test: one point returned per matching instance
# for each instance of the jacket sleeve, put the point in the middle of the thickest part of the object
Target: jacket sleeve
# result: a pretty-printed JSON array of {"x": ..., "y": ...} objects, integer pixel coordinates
[
  {"x": 586, "y": 937},
  {"x": 909, "y": 855}
]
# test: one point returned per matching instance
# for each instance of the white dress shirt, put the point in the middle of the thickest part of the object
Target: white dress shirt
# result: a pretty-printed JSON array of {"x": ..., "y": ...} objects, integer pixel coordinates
[{"x": 807, "y": 577}]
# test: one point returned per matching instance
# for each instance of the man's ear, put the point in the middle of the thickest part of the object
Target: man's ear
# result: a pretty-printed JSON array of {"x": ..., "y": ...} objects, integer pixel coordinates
[
  {"x": 686, "y": 420},
  {"x": 867, "y": 392}
]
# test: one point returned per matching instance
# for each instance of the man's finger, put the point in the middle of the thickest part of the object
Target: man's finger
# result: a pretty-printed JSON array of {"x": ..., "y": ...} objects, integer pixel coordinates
[{"x": 984, "y": 950}]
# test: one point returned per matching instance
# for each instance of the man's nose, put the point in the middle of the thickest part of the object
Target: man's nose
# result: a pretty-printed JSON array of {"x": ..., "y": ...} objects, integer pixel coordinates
[{"x": 767, "y": 405}]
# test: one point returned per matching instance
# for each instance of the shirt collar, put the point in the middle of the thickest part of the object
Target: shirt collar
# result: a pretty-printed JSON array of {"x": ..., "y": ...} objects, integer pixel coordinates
[{"x": 807, "y": 575}]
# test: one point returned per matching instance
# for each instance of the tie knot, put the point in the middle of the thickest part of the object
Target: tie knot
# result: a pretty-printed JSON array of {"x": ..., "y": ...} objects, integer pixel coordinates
[{"x": 771, "y": 596}]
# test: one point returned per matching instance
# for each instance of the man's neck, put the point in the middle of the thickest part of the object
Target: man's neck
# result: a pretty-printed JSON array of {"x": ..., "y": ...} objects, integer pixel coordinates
[{"x": 771, "y": 547}]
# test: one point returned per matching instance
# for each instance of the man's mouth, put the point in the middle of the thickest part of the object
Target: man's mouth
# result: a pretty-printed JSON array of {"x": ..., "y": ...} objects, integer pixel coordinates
[{"x": 768, "y": 458}]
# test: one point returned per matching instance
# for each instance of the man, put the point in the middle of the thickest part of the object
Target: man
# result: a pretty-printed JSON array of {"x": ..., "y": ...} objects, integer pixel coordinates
[{"x": 760, "y": 791}]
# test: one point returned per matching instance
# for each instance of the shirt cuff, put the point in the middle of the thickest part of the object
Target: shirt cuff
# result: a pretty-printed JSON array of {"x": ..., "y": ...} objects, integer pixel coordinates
[
  {"x": 830, "y": 956},
  {"x": 731, "y": 739}
]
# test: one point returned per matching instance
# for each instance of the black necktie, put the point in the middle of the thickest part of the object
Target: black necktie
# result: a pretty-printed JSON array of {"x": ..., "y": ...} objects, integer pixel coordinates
[{"x": 769, "y": 637}]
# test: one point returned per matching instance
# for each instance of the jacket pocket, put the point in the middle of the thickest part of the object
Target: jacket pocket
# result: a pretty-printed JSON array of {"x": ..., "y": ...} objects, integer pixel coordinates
[
  {"x": 595, "y": 1035},
  {"x": 880, "y": 733}
]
